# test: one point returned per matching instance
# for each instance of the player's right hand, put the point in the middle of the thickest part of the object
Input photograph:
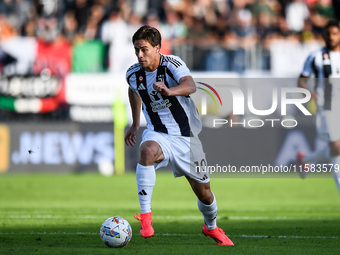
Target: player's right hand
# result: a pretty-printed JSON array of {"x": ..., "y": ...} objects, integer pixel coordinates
[{"x": 131, "y": 136}]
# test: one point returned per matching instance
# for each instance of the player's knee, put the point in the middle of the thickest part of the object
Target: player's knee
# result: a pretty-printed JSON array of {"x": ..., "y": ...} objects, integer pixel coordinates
[
  {"x": 148, "y": 153},
  {"x": 335, "y": 148},
  {"x": 335, "y": 151}
]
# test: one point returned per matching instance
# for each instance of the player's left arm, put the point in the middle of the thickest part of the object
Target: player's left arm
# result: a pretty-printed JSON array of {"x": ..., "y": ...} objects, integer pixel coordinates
[
  {"x": 185, "y": 87},
  {"x": 306, "y": 74}
]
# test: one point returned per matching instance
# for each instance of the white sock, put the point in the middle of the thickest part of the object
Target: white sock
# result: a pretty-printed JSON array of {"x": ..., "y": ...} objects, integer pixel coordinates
[
  {"x": 146, "y": 179},
  {"x": 335, "y": 170},
  {"x": 209, "y": 213},
  {"x": 317, "y": 156}
]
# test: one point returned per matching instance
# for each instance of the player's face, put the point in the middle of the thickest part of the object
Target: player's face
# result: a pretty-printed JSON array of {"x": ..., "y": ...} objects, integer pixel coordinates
[
  {"x": 148, "y": 56},
  {"x": 332, "y": 37}
]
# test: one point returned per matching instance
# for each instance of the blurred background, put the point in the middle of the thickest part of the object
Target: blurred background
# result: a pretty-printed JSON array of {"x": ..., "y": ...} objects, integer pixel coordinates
[{"x": 63, "y": 65}]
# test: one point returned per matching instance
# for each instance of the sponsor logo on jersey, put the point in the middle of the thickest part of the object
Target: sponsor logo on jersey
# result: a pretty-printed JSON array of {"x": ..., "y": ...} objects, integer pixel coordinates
[{"x": 157, "y": 106}]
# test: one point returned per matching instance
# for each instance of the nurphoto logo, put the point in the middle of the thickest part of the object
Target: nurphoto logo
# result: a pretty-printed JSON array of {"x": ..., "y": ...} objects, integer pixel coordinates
[{"x": 239, "y": 103}]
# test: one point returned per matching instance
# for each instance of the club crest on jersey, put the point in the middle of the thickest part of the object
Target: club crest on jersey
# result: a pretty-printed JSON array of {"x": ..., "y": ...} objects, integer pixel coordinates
[
  {"x": 140, "y": 78},
  {"x": 161, "y": 78}
]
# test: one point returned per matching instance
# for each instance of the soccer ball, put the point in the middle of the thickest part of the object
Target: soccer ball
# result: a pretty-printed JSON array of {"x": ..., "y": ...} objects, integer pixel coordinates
[{"x": 116, "y": 232}]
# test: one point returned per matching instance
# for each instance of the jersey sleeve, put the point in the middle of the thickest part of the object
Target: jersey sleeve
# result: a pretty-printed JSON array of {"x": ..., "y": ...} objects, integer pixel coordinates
[
  {"x": 308, "y": 66},
  {"x": 178, "y": 68},
  {"x": 131, "y": 78}
]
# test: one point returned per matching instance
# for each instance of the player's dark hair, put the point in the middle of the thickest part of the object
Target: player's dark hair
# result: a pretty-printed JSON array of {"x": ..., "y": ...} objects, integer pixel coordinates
[
  {"x": 332, "y": 23},
  {"x": 149, "y": 34}
]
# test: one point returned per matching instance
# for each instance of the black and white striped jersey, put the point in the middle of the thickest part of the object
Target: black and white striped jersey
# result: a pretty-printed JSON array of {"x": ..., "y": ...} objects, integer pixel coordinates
[
  {"x": 173, "y": 115},
  {"x": 325, "y": 65}
]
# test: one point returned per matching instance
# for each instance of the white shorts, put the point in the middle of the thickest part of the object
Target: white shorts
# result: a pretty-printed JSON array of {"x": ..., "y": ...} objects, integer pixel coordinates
[
  {"x": 184, "y": 153},
  {"x": 328, "y": 125}
]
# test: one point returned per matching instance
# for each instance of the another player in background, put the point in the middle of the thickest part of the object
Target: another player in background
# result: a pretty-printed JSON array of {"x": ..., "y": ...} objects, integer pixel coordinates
[
  {"x": 161, "y": 84},
  {"x": 324, "y": 64}
]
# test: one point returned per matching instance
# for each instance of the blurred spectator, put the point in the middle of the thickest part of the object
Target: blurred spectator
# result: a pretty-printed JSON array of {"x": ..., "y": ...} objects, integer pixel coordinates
[
  {"x": 51, "y": 7},
  {"x": 204, "y": 9},
  {"x": 82, "y": 11},
  {"x": 208, "y": 34},
  {"x": 197, "y": 31},
  {"x": 17, "y": 52},
  {"x": 18, "y": 10},
  {"x": 70, "y": 26},
  {"x": 156, "y": 6},
  {"x": 108, "y": 6},
  {"x": 282, "y": 27},
  {"x": 324, "y": 8},
  {"x": 7, "y": 30},
  {"x": 235, "y": 54},
  {"x": 244, "y": 28},
  {"x": 134, "y": 23},
  {"x": 47, "y": 29},
  {"x": 94, "y": 22},
  {"x": 222, "y": 8},
  {"x": 174, "y": 29},
  {"x": 216, "y": 55},
  {"x": 177, "y": 5},
  {"x": 307, "y": 34},
  {"x": 139, "y": 7},
  {"x": 321, "y": 12},
  {"x": 197, "y": 36},
  {"x": 153, "y": 20},
  {"x": 115, "y": 32},
  {"x": 54, "y": 55},
  {"x": 263, "y": 6},
  {"x": 29, "y": 29},
  {"x": 91, "y": 31},
  {"x": 336, "y": 6},
  {"x": 266, "y": 31},
  {"x": 296, "y": 14}
]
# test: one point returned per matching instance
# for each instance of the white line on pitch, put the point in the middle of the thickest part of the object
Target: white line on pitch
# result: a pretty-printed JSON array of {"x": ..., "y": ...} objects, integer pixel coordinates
[
  {"x": 164, "y": 217},
  {"x": 175, "y": 234},
  {"x": 198, "y": 217}
]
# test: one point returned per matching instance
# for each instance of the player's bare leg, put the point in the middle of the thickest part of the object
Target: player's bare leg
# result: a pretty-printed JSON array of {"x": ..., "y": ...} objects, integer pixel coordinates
[
  {"x": 207, "y": 205},
  {"x": 150, "y": 152},
  {"x": 335, "y": 154}
]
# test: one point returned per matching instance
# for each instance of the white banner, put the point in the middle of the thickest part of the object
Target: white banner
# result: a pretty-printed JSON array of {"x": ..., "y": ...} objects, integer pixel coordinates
[
  {"x": 288, "y": 57},
  {"x": 94, "y": 89}
]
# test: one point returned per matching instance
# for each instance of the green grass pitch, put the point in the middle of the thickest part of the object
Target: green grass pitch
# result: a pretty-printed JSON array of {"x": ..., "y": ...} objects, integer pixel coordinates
[{"x": 62, "y": 214}]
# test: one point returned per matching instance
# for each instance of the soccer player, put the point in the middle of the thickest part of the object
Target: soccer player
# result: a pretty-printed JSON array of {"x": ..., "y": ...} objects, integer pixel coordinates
[
  {"x": 161, "y": 84},
  {"x": 324, "y": 64}
]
